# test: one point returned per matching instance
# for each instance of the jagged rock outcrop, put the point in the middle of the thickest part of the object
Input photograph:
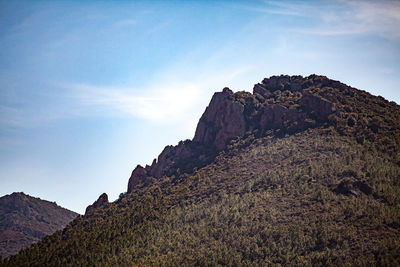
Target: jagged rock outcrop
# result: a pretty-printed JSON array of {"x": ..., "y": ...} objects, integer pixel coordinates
[
  {"x": 223, "y": 120},
  {"x": 181, "y": 158},
  {"x": 138, "y": 176},
  {"x": 169, "y": 157},
  {"x": 285, "y": 104},
  {"x": 101, "y": 201}
]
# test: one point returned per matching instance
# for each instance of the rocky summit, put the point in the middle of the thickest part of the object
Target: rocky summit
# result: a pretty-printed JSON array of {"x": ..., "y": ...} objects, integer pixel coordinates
[
  {"x": 303, "y": 171},
  {"x": 281, "y": 104}
]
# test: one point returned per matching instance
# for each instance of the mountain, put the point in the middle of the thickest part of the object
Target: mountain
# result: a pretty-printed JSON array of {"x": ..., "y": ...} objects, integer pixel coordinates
[
  {"x": 304, "y": 171},
  {"x": 25, "y": 220}
]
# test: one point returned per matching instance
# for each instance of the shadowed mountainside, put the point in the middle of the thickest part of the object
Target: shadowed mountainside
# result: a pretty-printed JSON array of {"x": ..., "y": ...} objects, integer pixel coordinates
[
  {"x": 304, "y": 171},
  {"x": 25, "y": 220}
]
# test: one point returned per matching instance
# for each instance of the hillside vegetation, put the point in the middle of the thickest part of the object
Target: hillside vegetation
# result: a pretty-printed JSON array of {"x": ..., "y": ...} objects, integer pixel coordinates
[{"x": 315, "y": 191}]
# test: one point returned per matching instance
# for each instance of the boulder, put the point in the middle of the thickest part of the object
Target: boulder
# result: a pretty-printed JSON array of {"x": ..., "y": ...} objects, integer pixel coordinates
[{"x": 352, "y": 186}]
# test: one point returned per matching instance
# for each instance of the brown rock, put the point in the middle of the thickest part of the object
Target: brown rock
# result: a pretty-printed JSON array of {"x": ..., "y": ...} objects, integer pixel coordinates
[
  {"x": 282, "y": 82},
  {"x": 276, "y": 116},
  {"x": 294, "y": 121},
  {"x": 222, "y": 121},
  {"x": 169, "y": 157},
  {"x": 272, "y": 117},
  {"x": 275, "y": 83},
  {"x": 318, "y": 107},
  {"x": 138, "y": 176},
  {"x": 261, "y": 90}
]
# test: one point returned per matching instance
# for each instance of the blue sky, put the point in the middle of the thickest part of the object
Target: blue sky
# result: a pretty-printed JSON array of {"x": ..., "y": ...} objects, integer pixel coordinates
[{"x": 88, "y": 90}]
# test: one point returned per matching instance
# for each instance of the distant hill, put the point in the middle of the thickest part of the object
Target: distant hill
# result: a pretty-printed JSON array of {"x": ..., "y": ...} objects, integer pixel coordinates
[
  {"x": 304, "y": 171},
  {"x": 25, "y": 220}
]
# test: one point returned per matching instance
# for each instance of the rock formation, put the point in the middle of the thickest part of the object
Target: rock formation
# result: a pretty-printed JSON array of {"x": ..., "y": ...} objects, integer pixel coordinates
[
  {"x": 223, "y": 120},
  {"x": 317, "y": 106},
  {"x": 101, "y": 201},
  {"x": 138, "y": 176},
  {"x": 285, "y": 104}
]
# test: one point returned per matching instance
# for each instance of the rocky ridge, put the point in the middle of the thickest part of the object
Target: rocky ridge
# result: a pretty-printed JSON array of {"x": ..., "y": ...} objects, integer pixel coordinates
[{"x": 279, "y": 105}]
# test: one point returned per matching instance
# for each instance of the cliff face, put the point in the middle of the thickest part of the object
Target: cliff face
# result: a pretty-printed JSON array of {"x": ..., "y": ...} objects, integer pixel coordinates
[
  {"x": 25, "y": 220},
  {"x": 223, "y": 120},
  {"x": 279, "y": 105}
]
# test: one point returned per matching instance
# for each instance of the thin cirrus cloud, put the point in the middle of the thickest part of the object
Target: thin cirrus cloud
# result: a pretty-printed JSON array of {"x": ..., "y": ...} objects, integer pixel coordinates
[
  {"x": 362, "y": 17},
  {"x": 166, "y": 101},
  {"x": 157, "y": 104},
  {"x": 173, "y": 101},
  {"x": 342, "y": 17}
]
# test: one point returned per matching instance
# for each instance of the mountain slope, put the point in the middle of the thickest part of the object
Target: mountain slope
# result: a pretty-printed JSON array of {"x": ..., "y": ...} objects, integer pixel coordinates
[
  {"x": 304, "y": 171},
  {"x": 280, "y": 105},
  {"x": 25, "y": 220}
]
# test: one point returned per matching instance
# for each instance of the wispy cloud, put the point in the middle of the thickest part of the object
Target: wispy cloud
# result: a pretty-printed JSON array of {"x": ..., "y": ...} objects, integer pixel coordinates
[
  {"x": 361, "y": 17},
  {"x": 158, "y": 104},
  {"x": 341, "y": 17},
  {"x": 170, "y": 100}
]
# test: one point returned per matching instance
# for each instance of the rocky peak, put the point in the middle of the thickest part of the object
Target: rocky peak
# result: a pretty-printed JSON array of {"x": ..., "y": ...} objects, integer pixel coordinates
[
  {"x": 281, "y": 104},
  {"x": 101, "y": 201},
  {"x": 223, "y": 120},
  {"x": 138, "y": 176}
]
